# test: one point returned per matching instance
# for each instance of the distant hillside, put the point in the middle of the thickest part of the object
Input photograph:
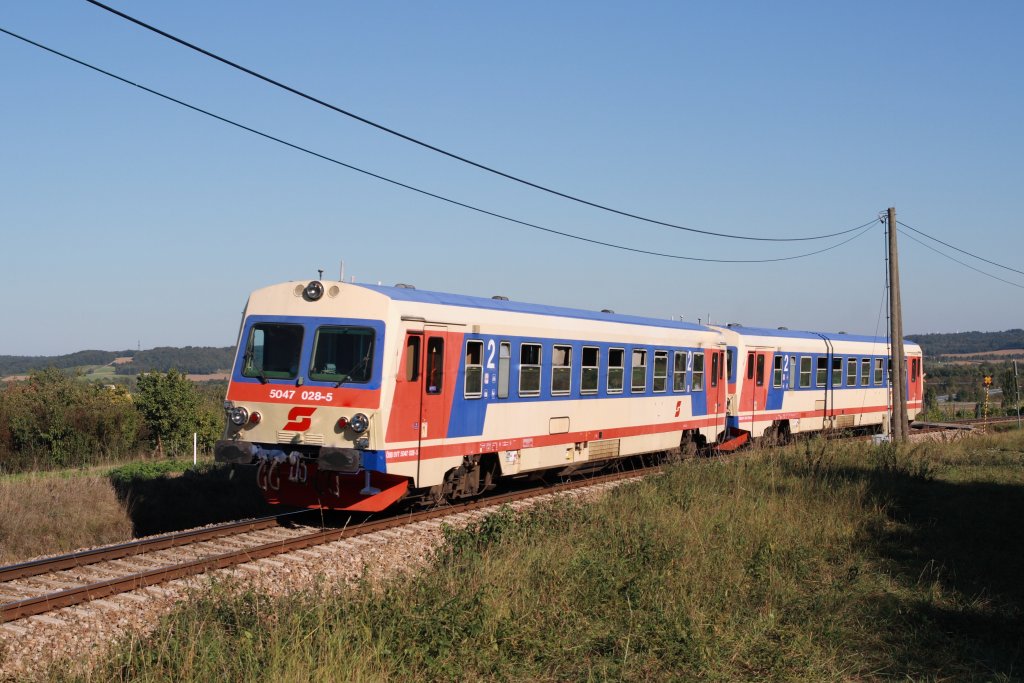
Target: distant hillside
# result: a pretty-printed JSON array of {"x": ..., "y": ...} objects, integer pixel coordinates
[
  {"x": 198, "y": 360},
  {"x": 941, "y": 344}
]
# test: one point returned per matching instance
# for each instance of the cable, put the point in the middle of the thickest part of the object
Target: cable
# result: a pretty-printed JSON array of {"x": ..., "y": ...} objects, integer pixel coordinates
[
  {"x": 863, "y": 228},
  {"x": 958, "y": 249},
  {"x": 446, "y": 153},
  {"x": 928, "y": 246}
]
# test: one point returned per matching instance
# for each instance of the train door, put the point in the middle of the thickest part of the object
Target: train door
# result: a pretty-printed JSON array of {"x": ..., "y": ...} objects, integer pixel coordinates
[
  {"x": 716, "y": 387},
  {"x": 754, "y": 395},
  {"x": 914, "y": 379},
  {"x": 424, "y": 390}
]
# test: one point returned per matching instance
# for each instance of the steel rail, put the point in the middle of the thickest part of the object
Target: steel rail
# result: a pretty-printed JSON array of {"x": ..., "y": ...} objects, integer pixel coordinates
[{"x": 73, "y": 596}]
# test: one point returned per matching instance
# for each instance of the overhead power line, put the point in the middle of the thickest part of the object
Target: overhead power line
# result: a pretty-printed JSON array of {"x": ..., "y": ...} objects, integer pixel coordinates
[
  {"x": 935, "y": 239},
  {"x": 439, "y": 150},
  {"x": 965, "y": 265},
  {"x": 862, "y": 228}
]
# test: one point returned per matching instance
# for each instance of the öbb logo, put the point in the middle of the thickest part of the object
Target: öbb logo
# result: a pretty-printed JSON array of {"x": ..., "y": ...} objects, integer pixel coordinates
[{"x": 299, "y": 419}]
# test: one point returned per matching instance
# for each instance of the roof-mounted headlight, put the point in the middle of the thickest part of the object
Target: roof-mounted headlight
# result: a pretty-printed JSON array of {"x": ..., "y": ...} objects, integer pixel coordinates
[{"x": 313, "y": 291}]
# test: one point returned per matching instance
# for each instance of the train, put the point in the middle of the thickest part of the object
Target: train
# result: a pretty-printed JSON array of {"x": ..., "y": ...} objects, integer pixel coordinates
[{"x": 354, "y": 397}]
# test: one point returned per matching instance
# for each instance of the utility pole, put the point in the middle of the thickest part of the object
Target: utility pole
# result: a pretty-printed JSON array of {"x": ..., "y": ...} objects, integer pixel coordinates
[
  {"x": 1016, "y": 385},
  {"x": 898, "y": 375}
]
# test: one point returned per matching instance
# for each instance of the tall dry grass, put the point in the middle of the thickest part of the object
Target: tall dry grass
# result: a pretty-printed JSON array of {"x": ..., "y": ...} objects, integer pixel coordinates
[{"x": 47, "y": 514}]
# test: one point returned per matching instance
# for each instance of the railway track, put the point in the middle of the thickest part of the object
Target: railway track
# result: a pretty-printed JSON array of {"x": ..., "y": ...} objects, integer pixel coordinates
[{"x": 40, "y": 586}]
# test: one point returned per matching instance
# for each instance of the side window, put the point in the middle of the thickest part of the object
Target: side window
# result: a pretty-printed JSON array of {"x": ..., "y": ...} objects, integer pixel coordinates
[
  {"x": 529, "y": 370},
  {"x": 729, "y": 364},
  {"x": 792, "y": 372},
  {"x": 679, "y": 371},
  {"x": 822, "y": 375},
  {"x": 698, "y": 371},
  {"x": 474, "y": 384},
  {"x": 837, "y": 372},
  {"x": 851, "y": 372},
  {"x": 504, "y": 363},
  {"x": 878, "y": 371},
  {"x": 750, "y": 366},
  {"x": 412, "y": 359},
  {"x": 639, "y": 369},
  {"x": 777, "y": 371},
  {"x": 716, "y": 360},
  {"x": 591, "y": 370},
  {"x": 760, "y": 369},
  {"x": 561, "y": 370},
  {"x": 805, "y": 372},
  {"x": 914, "y": 366},
  {"x": 616, "y": 357},
  {"x": 660, "y": 370},
  {"x": 865, "y": 372},
  {"x": 435, "y": 365}
]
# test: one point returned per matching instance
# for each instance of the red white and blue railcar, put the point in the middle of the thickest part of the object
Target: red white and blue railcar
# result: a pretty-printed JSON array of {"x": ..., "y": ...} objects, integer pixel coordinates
[{"x": 354, "y": 396}]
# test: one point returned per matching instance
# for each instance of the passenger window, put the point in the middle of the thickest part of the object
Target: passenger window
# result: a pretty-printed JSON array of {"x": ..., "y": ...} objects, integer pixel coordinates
[
  {"x": 412, "y": 359},
  {"x": 660, "y": 370},
  {"x": 760, "y": 369},
  {"x": 590, "y": 370},
  {"x": 865, "y": 372},
  {"x": 777, "y": 371},
  {"x": 851, "y": 372},
  {"x": 529, "y": 370},
  {"x": 679, "y": 371},
  {"x": 698, "y": 371},
  {"x": 435, "y": 365},
  {"x": 878, "y": 371},
  {"x": 504, "y": 363},
  {"x": 561, "y": 370},
  {"x": 792, "y": 372},
  {"x": 474, "y": 369},
  {"x": 837, "y": 372},
  {"x": 805, "y": 372},
  {"x": 822, "y": 375},
  {"x": 639, "y": 368},
  {"x": 616, "y": 357}
]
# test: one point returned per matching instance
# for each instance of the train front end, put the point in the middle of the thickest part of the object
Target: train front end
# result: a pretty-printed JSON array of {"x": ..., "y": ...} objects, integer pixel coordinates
[{"x": 304, "y": 398}]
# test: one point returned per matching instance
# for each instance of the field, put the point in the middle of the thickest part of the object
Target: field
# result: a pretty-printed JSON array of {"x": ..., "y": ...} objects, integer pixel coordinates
[{"x": 823, "y": 561}]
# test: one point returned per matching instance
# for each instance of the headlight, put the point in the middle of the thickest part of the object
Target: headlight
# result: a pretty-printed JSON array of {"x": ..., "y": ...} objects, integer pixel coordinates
[
  {"x": 314, "y": 290},
  {"x": 359, "y": 423},
  {"x": 238, "y": 416}
]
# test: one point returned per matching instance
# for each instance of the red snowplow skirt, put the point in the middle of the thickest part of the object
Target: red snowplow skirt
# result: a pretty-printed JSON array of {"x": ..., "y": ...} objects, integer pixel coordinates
[
  {"x": 737, "y": 437},
  {"x": 304, "y": 485}
]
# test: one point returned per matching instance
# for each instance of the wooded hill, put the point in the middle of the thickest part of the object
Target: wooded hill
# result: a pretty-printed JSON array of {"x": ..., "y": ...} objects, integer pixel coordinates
[
  {"x": 190, "y": 359},
  {"x": 940, "y": 344}
]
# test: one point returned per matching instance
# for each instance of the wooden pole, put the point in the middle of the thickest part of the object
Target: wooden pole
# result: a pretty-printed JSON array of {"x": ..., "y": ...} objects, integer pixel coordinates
[{"x": 898, "y": 376}]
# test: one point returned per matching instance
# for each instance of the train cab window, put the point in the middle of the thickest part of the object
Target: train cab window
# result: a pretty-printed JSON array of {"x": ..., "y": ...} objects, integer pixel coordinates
[
  {"x": 342, "y": 355},
  {"x": 760, "y": 369},
  {"x": 590, "y": 370},
  {"x": 805, "y": 372},
  {"x": 504, "y": 363},
  {"x": 777, "y": 371},
  {"x": 412, "y": 359},
  {"x": 837, "y": 372},
  {"x": 561, "y": 370},
  {"x": 698, "y": 371},
  {"x": 792, "y": 372},
  {"x": 435, "y": 365},
  {"x": 639, "y": 371},
  {"x": 822, "y": 372},
  {"x": 529, "y": 370},
  {"x": 865, "y": 372},
  {"x": 616, "y": 365},
  {"x": 716, "y": 362},
  {"x": 750, "y": 366},
  {"x": 272, "y": 351},
  {"x": 660, "y": 370},
  {"x": 679, "y": 371},
  {"x": 878, "y": 371},
  {"x": 851, "y": 372},
  {"x": 474, "y": 381}
]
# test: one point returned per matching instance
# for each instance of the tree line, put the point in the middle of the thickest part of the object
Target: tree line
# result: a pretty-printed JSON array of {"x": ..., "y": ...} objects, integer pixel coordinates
[{"x": 54, "y": 420}]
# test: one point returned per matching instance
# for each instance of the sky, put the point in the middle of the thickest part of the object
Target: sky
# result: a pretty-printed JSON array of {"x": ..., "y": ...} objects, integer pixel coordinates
[{"x": 127, "y": 220}]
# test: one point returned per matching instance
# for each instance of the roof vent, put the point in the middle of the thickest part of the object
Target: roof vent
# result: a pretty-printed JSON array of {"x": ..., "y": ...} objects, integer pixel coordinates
[
  {"x": 607, "y": 310},
  {"x": 402, "y": 285},
  {"x": 735, "y": 325},
  {"x": 499, "y": 297},
  {"x": 842, "y": 331},
  {"x": 783, "y": 327}
]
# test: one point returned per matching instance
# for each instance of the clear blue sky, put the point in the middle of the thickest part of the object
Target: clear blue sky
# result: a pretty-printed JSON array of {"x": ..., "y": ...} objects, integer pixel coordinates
[{"x": 126, "y": 219}]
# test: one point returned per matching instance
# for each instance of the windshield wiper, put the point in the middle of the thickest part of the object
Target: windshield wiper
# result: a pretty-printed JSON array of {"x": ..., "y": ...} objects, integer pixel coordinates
[
  {"x": 247, "y": 359},
  {"x": 348, "y": 375}
]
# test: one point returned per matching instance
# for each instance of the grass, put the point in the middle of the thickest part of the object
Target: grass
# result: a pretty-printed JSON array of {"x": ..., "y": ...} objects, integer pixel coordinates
[
  {"x": 42, "y": 514},
  {"x": 820, "y": 562}
]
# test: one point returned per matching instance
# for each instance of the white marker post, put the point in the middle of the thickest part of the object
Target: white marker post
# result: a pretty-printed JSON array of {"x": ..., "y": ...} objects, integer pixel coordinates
[{"x": 195, "y": 448}]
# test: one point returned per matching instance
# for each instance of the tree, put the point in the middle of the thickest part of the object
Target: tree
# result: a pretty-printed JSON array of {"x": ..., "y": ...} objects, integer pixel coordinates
[{"x": 173, "y": 410}]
